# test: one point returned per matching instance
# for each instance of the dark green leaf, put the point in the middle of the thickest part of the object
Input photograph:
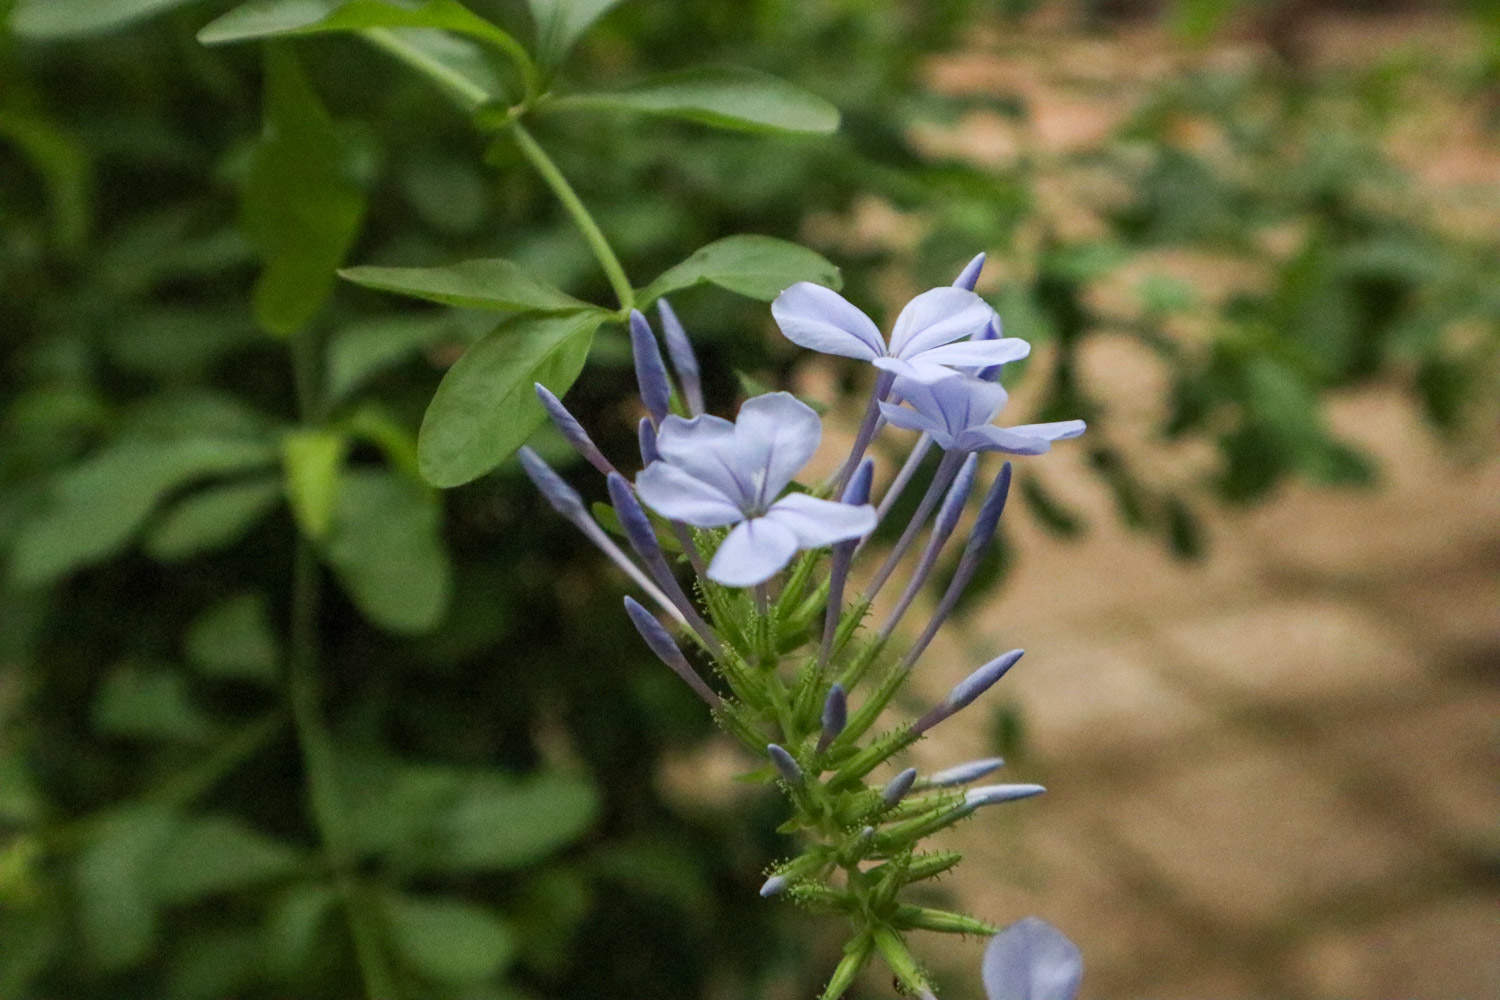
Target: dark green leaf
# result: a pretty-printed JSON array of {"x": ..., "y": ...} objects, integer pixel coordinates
[
  {"x": 61, "y": 160},
  {"x": 212, "y": 518},
  {"x": 116, "y": 911},
  {"x": 301, "y": 207},
  {"x": 234, "y": 639},
  {"x": 492, "y": 283},
  {"x": 486, "y": 406},
  {"x": 1184, "y": 530},
  {"x": 726, "y": 97},
  {"x": 447, "y": 939},
  {"x": 294, "y": 926},
  {"x": 137, "y": 701},
  {"x": 385, "y": 545},
  {"x": 98, "y": 505},
  {"x": 211, "y": 855},
  {"x": 1051, "y": 512},
  {"x": 68, "y": 18},
  {"x": 758, "y": 267},
  {"x": 559, "y": 23},
  {"x": 361, "y": 351}
]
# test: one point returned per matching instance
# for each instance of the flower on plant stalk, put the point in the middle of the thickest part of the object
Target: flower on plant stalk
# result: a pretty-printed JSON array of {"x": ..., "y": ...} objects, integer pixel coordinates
[
  {"x": 714, "y": 473},
  {"x": 922, "y": 345},
  {"x": 1031, "y": 960},
  {"x": 957, "y": 411}
]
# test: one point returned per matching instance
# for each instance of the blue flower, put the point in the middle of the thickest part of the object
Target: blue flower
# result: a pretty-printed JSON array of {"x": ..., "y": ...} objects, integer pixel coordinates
[
  {"x": 714, "y": 473},
  {"x": 957, "y": 411},
  {"x": 922, "y": 343},
  {"x": 1031, "y": 960}
]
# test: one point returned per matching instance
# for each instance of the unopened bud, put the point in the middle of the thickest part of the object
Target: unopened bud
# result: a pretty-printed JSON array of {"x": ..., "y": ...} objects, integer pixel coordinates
[
  {"x": 785, "y": 763},
  {"x": 650, "y": 372}
]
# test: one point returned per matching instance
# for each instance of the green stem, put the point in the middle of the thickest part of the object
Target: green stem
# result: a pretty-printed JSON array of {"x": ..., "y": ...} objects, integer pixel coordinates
[
  {"x": 313, "y": 736},
  {"x": 581, "y": 218}
]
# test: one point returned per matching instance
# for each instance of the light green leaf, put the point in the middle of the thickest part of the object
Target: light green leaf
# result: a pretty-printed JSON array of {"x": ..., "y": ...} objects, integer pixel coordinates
[
  {"x": 361, "y": 351},
  {"x": 234, "y": 639},
  {"x": 212, "y": 518},
  {"x": 495, "y": 822},
  {"x": 294, "y": 926},
  {"x": 139, "y": 701},
  {"x": 312, "y": 459},
  {"x": 300, "y": 206},
  {"x": 386, "y": 548},
  {"x": 560, "y": 23},
  {"x": 116, "y": 913},
  {"x": 758, "y": 267},
  {"x": 731, "y": 97},
  {"x": 207, "y": 856},
  {"x": 486, "y": 406},
  {"x": 447, "y": 939},
  {"x": 99, "y": 504},
  {"x": 493, "y": 283},
  {"x": 70, "y": 18}
]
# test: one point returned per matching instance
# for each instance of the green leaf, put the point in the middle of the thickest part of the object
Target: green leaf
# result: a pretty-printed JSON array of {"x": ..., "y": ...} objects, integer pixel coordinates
[
  {"x": 212, "y": 518},
  {"x": 300, "y": 207},
  {"x": 758, "y": 267},
  {"x": 312, "y": 459},
  {"x": 486, "y": 406},
  {"x": 216, "y": 854},
  {"x": 99, "y": 504},
  {"x": 116, "y": 912},
  {"x": 447, "y": 939},
  {"x": 294, "y": 927},
  {"x": 385, "y": 545},
  {"x": 560, "y": 23},
  {"x": 145, "y": 702},
  {"x": 361, "y": 351},
  {"x": 731, "y": 97},
  {"x": 234, "y": 639},
  {"x": 493, "y": 283},
  {"x": 63, "y": 163},
  {"x": 70, "y": 18},
  {"x": 495, "y": 823}
]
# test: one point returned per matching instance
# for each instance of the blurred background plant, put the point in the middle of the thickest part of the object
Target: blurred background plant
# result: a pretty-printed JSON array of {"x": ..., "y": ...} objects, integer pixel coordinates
[{"x": 496, "y": 730}]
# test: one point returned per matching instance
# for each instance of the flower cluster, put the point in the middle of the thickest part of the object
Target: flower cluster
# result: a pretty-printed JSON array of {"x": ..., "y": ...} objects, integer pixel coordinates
[{"x": 787, "y": 652}]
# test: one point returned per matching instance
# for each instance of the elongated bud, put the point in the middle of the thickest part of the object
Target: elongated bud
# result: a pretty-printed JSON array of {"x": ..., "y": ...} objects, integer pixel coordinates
[
  {"x": 633, "y": 519},
  {"x": 969, "y": 276},
  {"x": 572, "y": 429},
  {"x": 962, "y": 774},
  {"x": 989, "y": 795},
  {"x": 899, "y": 786},
  {"x": 968, "y": 689},
  {"x": 684, "y": 361},
  {"x": 953, "y": 504},
  {"x": 784, "y": 763},
  {"x": 563, "y": 498},
  {"x": 773, "y": 885},
  {"x": 835, "y": 716},
  {"x": 858, "y": 490},
  {"x": 645, "y": 433},
  {"x": 650, "y": 372},
  {"x": 666, "y": 650}
]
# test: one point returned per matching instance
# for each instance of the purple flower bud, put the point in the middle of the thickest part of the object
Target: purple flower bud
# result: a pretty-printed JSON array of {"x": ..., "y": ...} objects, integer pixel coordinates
[
  {"x": 645, "y": 433},
  {"x": 968, "y": 689},
  {"x": 835, "y": 716},
  {"x": 684, "y": 362},
  {"x": 784, "y": 763},
  {"x": 633, "y": 519},
  {"x": 563, "y": 498},
  {"x": 899, "y": 786},
  {"x": 858, "y": 490},
  {"x": 989, "y": 795},
  {"x": 965, "y": 773},
  {"x": 650, "y": 372},
  {"x": 773, "y": 885},
  {"x": 572, "y": 430},
  {"x": 666, "y": 650},
  {"x": 953, "y": 503},
  {"x": 969, "y": 276}
]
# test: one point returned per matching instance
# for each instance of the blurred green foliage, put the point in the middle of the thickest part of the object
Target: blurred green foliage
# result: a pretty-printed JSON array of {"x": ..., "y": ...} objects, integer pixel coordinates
[{"x": 495, "y": 730}]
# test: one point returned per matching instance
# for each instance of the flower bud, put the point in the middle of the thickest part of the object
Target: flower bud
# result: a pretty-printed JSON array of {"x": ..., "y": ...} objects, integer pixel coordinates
[
  {"x": 835, "y": 716},
  {"x": 684, "y": 361},
  {"x": 898, "y": 787},
  {"x": 785, "y": 763},
  {"x": 650, "y": 372},
  {"x": 572, "y": 429}
]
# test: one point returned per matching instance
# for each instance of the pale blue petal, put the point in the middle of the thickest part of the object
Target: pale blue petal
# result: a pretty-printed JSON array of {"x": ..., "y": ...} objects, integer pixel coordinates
[
  {"x": 977, "y": 353},
  {"x": 704, "y": 447},
  {"x": 1031, "y": 960},
  {"x": 821, "y": 319},
  {"x": 752, "y": 553},
  {"x": 774, "y": 436},
  {"x": 969, "y": 276},
  {"x": 962, "y": 402},
  {"x": 816, "y": 523},
  {"x": 916, "y": 369},
  {"x": 1004, "y": 439},
  {"x": 674, "y": 493},
  {"x": 913, "y": 420},
  {"x": 938, "y": 316},
  {"x": 1057, "y": 430}
]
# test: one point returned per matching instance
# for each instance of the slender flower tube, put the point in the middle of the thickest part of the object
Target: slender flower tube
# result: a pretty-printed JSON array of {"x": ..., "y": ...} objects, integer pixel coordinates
[
  {"x": 666, "y": 650},
  {"x": 684, "y": 361},
  {"x": 968, "y": 689},
  {"x": 566, "y": 501},
  {"x": 858, "y": 494},
  {"x": 642, "y": 538},
  {"x": 572, "y": 430},
  {"x": 942, "y": 528},
  {"x": 941, "y": 479},
  {"x": 650, "y": 372}
]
